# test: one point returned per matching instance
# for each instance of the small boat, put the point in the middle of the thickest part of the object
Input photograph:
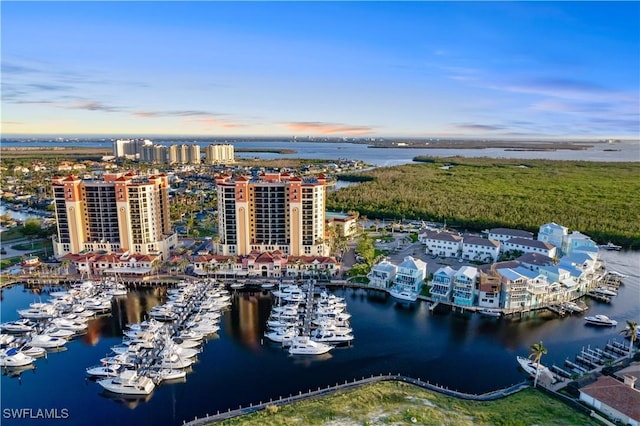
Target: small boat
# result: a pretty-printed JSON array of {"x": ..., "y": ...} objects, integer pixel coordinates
[
  {"x": 605, "y": 291},
  {"x": 5, "y": 339},
  {"x": 489, "y": 313},
  {"x": 166, "y": 374},
  {"x": 128, "y": 383},
  {"x": 110, "y": 370},
  {"x": 237, "y": 285},
  {"x": 12, "y": 357},
  {"x": 610, "y": 246},
  {"x": 601, "y": 320},
  {"x": 572, "y": 306},
  {"x": 46, "y": 341},
  {"x": 267, "y": 285},
  {"x": 533, "y": 369},
  {"x": 33, "y": 351},
  {"x": 306, "y": 346}
]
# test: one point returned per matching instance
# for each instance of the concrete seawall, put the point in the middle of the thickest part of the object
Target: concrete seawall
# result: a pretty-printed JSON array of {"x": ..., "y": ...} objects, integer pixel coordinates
[{"x": 489, "y": 396}]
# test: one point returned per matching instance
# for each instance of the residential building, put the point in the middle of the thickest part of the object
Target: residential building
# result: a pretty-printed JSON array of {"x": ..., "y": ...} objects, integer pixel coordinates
[
  {"x": 410, "y": 274},
  {"x": 513, "y": 293},
  {"x": 441, "y": 284},
  {"x": 121, "y": 213},
  {"x": 272, "y": 211},
  {"x": 346, "y": 225},
  {"x": 219, "y": 154},
  {"x": 382, "y": 275},
  {"x": 533, "y": 261},
  {"x": 503, "y": 234},
  {"x": 464, "y": 286},
  {"x": 193, "y": 154},
  {"x": 554, "y": 234},
  {"x": 480, "y": 249},
  {"x": 577, "y": 241},
  {"x": 529, "y": 246},
  {"x": 489, "y": 285},
  {"x": 442, "y": 243},
  {"x": 617, "y": 400}
]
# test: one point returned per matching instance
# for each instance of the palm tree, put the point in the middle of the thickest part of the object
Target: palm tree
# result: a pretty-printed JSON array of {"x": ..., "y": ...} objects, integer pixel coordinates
[
  {"x": 537, "y": 350},
  {"x": 632, "y": 333}
]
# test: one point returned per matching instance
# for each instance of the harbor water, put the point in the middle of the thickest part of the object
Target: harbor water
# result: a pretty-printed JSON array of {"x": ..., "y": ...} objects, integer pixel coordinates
[{"x": 238, "y": 366}]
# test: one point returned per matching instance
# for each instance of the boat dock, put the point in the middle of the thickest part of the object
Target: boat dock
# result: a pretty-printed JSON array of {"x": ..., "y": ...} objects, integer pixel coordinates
[{"x": 593, "y": 358}]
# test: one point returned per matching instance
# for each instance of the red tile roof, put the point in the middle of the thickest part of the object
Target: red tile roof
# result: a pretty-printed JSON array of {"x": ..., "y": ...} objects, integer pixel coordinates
[{"x": 616, "y": 395}]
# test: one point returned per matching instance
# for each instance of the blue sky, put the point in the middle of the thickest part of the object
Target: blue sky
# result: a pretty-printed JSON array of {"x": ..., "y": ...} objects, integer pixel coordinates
[{"x": 415, "y": 69}]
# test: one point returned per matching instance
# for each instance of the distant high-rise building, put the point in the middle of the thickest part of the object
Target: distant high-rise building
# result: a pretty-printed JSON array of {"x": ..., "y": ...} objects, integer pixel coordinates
[
  {"x": 219, "y": 154},
  {"x": 130, "y": 148},
  {"x": 194, "y": 154},
  {"x": 173, "y": 154},
  {"x": 272, "y": 211},
  {"x": 123, "y": 212}
]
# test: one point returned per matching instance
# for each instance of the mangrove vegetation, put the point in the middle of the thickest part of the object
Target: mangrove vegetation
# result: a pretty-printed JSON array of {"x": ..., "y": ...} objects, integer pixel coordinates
[{"x": 599, "y": 199}]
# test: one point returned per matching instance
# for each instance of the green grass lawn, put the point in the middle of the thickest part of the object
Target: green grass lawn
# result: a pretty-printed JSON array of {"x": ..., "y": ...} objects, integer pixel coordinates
[
  {"x": 396, "y": 403},
  {"x": 36, "y": 245},
  {"x": 11, "y": 234}
]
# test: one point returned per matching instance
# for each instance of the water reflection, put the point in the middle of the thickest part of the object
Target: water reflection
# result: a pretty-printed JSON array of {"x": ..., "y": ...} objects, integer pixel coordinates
[{"x": 248, "y": 317}]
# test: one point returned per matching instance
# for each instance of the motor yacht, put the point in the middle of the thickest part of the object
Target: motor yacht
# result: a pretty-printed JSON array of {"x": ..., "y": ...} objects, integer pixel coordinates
[
  {"x": 18, "y": 326},
  {"x": 601, "y": 320},
  {"x": 534, "y": 368},
  {"x": 403, "y": 294},
  {"x": 128, "y": 383},
  {"x": 305, "y": 346}
]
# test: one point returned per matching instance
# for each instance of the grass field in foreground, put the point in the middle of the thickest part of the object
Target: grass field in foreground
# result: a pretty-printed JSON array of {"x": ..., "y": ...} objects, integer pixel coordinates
[{"x": 396, "y": 403}]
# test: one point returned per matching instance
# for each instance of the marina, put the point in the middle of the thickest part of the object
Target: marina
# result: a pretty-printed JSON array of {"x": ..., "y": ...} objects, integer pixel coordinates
[{"x": 390, "y": 337}]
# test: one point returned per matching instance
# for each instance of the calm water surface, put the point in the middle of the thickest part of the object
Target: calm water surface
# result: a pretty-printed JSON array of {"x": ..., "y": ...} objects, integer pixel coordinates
[{"x": 237, "y": 367}]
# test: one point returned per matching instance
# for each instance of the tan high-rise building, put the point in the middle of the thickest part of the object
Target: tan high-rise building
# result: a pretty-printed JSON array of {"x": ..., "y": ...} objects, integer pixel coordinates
[
  {"x": 272, "y": 211},
  {"x": 123, "y": 212},
  {"x": 219, "y": 154}
]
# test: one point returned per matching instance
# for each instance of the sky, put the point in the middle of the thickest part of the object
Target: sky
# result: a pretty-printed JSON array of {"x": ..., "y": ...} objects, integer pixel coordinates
[{"x": 336, "y": 69}]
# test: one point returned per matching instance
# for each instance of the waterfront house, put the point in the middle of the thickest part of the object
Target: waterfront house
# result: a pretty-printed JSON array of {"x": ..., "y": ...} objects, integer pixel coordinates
[
  {"x": 577, "y": 241},
  {"x": 537, "y": 286},
  {"x": 553, "y": 233},
  {"x": 503, "y": 234},
  {"x": 464, "y": 285},
  {"x": 514, "y": 293},
  {"x": 557, "y": 274},
  {"x": 617, "y": 400},
  {"x": 442, "y": 243},
  {"x": 480, "y": 249},
  {"x": 534, "y": 261},
  {"x": 526, "y": 245},
  {"x": 489, "y": 285},
  {"x": 410, "y": 274},
  {"x": 441, "y": 283},
  {"x": 382, "y": 275}
]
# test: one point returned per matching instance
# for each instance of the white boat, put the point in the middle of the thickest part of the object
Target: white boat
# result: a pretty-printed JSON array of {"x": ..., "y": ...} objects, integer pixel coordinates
[
  {"x": 166, "y": 374},
  {"x": 18, "y": 326},
  {"x": 572, "y": 306},
  {"x": 403, "y": 294},
  {"x": 610, "y": 246},
  {"x": 305, "y": 346},
  {"x": 601, "y": 320},
  {"x": 489, "y": 313},
  {"x": 237, "y": 285},
  {"x": 12, "y": 357},
  {"x": 46, "y": 341},
  {"x": 54, "y": 331},
  {"x": 330, "y": 336},
  {"x": 281, "y": 335},
  {"x": 533, "y": 368},
  {"x": 33, "y": 351},
  {"x": 605, "y": 291},
  {"x": 111, "y": 370},
  {"x": 128, "y": 383},
  {"x": 5, "y": 339},
  {"x": 267, "y": 285}
]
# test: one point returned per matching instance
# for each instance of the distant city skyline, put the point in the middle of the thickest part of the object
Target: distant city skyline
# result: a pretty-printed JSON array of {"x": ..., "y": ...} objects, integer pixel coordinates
[{"x": 337, "y": 69}]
